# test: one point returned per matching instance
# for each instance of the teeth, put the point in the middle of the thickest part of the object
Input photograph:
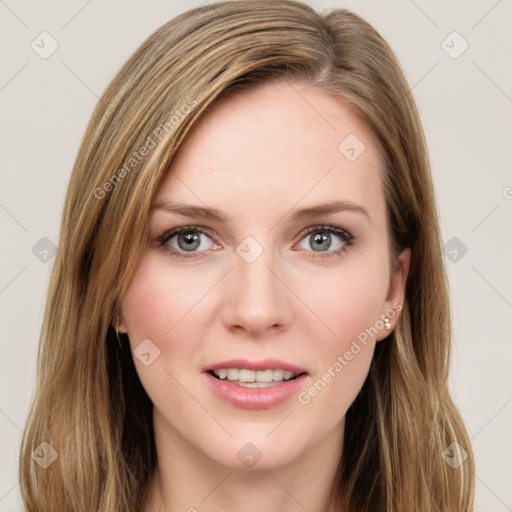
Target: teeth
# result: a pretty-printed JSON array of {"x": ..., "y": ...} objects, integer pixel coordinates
[
  {"x": 277, "y": 374},
  {"x": 246, "y": 375},
  {"x": 232, "y": 374},
  {"x": 251, "y": 378},
  {"x": 265, "y": 376},
  {"x": 256, "y": 384}
]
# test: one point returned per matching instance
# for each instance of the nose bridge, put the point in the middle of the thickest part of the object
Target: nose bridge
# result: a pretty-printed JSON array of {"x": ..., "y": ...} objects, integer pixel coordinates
[{"x": 256, "y": 299}]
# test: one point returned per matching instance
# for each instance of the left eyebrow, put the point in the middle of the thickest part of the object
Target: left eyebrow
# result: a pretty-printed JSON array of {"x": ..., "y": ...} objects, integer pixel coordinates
[
  {"x": 328, "y": 208},
  {"x": 189, "y": 210}
]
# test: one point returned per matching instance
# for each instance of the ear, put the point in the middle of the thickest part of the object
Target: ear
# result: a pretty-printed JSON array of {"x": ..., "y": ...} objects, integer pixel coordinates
[{"x": 393, "y": 305}]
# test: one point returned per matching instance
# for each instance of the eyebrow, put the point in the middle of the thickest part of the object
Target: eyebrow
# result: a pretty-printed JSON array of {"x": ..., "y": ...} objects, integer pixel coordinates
[{"x": 188, "y": 210}]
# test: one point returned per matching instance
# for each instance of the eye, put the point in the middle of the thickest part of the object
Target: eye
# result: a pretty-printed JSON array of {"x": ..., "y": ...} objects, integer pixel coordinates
[
  {"x": 319, "y": 239},
  {"x": 186, "y": 241},
  {"x": 189, "y": 241}
]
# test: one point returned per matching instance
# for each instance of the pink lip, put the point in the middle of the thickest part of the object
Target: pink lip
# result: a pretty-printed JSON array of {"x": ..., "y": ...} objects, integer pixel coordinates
[
  {"x": 254, "y": 398},
  {"x": 266, "y": 364}
]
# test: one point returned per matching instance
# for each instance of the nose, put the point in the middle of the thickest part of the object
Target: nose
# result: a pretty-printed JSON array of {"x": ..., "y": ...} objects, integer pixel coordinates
[{"x": 256, "y": 297}]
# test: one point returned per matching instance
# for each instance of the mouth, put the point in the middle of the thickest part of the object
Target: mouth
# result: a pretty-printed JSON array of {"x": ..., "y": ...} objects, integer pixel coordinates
[
  {"x": 263, "y": 386},
  {"x": 255, "y": 384},
  {"x": 247, "y": 378}
]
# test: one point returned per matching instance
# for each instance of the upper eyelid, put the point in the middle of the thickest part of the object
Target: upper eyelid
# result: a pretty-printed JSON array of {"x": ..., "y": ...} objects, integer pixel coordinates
[{"x": 171, "y": 233}]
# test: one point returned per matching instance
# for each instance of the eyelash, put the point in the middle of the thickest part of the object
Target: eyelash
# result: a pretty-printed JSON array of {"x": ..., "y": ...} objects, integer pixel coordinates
[{"x": 347, "y": 238}]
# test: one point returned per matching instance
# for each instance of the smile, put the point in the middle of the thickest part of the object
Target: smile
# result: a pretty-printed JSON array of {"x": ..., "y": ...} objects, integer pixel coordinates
[
  {"x": 252, "y": 378},
  {"x": 254, "y": 394}
]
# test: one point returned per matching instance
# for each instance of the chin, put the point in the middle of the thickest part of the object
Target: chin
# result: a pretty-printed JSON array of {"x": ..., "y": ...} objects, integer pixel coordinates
[{"x": 255, "y": 455}]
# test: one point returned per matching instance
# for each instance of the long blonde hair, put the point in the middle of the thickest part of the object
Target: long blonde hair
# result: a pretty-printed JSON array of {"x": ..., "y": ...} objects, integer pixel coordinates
[{"x": 89, "y": 404}]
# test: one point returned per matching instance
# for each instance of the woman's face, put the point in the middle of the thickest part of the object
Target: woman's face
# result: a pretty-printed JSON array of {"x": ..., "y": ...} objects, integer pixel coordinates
[{"x": 274, "y": 284}]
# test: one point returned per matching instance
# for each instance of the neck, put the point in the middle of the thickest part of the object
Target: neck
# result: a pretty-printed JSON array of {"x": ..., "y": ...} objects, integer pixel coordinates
[{"x": 188, "y": 480}]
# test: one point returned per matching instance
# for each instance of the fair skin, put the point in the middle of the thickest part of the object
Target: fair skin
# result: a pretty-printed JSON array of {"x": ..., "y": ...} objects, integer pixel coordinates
[{"x": 258, "y": 157}]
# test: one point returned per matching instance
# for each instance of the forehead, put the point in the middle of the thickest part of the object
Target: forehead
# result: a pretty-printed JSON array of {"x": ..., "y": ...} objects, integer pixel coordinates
[{"x": 273, "y": 146}]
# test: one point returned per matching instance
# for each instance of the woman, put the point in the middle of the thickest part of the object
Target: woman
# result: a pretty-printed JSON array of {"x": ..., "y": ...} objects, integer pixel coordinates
[{"x": 248, "y": 307}]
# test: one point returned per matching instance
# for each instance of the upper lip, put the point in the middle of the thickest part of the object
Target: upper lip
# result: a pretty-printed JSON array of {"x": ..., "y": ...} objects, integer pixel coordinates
[{"x": 265, "y": 364}]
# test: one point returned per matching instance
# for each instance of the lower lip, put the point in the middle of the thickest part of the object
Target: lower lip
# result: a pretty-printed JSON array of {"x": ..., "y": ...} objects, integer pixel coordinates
[{"x": 255, "y": 398}]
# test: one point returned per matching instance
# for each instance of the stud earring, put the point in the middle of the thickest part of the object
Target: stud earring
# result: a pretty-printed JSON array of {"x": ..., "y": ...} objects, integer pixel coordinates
[
  {"x": 387, "y": 323},
  {"x": 117, "y": 332}
]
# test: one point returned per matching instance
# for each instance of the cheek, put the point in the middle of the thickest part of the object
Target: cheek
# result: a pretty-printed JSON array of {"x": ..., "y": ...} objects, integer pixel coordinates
[
  {"x": 349, "y": 304},
  {"x": 158, "y": 300},
  {"x": 347, "y": 299},
  {"x": 160, "y": 305}
]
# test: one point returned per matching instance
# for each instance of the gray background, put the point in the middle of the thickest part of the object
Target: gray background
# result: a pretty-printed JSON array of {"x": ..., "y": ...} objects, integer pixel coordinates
[{"x": 465, "y": 104}]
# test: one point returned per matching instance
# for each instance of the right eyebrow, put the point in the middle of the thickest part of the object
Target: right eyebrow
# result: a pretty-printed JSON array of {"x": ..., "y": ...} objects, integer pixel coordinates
[{"x": 188, "y": 210}]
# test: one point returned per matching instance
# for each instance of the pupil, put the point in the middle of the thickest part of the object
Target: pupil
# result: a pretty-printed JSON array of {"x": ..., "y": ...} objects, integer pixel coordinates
[
  {"x": 322, "y": 240},
  {"x": 189, "y": 239}
]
